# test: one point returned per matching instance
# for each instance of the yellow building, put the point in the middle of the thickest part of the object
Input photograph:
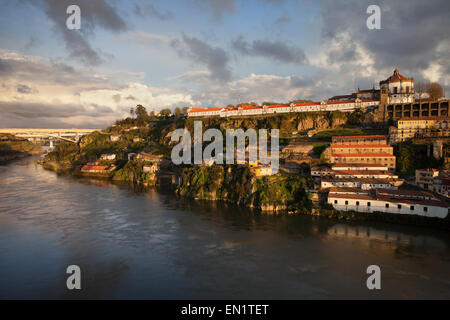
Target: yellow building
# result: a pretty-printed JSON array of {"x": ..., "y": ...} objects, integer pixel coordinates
[
  {"x": 263, "y": 171},
  {"x": 369, "y": 150},
  {"x": 408, "y": 128}
]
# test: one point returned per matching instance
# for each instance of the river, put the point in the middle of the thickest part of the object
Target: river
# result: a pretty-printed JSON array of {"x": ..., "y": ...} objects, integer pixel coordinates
[{"x": 151, "y": 245}]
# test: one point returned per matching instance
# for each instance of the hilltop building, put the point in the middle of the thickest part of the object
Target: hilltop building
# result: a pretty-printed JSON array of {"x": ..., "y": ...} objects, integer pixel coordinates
[
  {"x": 250, "y": 110},
  {"x": 371, "y": 150},
  {"x": 400, "y": 89},
  {"x": 425, "y": 127}
]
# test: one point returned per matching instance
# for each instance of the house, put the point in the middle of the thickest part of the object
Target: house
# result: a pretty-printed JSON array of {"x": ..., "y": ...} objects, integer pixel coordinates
[
  {"x": 131, "y": 156},
  {"x": 364, "y": 183},
  {"x": 263, "y": 170},
  {"x": 424, "y": 178},
  {"x": 108, "y": 157},
  {"x": 408, "y": 128},
  {"x": 149, "y": 157},
  {"x": 114, "y": 138},
  {"x": 368, "y": 150},
  {"x": 390, "y": 201},
  {"x": 150, "y": 168},
  {"x": 89, "y": 168}
]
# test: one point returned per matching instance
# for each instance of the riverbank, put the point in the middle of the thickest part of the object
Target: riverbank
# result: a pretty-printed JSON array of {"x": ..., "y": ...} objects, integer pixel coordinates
[{"x": 200, "y": 184}]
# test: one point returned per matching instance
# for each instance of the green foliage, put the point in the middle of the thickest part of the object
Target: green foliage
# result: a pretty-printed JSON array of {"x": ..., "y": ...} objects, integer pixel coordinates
[
  {"x": 65, "y": 151},
  {"x": 413, "y": 156},
  {"x": 237, "y": 184}
]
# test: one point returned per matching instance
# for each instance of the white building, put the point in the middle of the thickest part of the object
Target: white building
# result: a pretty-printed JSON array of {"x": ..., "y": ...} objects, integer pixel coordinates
[
  {"x": 400, "y": 88},
  {"x": 386, "y": 202},
  {"x": 364, "y": 184},
  {"x": 108, "y": 157},
  {"x": 250, "y": 110},
  {"x": 359, "y": 166}
]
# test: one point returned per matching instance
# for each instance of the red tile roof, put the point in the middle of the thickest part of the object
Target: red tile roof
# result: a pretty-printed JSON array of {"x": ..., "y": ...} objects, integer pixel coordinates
[
  {"x": 364, "y": 155},
  {"x": 96, "y": 168},
  {"x": 368, "y": 136},
  {"x": 363, "y": 172},
  {"x": 360, "y": 146},
  {"x": 204, "y": 109},
  {"x": 357, "y": 165}
]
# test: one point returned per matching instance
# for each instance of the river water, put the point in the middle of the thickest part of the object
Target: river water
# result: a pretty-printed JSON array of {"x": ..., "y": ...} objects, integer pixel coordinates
[{"x": 151, "y": 245}]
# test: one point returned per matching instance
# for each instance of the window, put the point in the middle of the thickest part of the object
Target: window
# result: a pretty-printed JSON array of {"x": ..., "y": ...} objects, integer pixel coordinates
[
  {"x": 425, "y": 209},
  {"x": 399, "y": 206},
  {"x": 335, "y": 201},
  {"x": 357, "y": 203},
  {"x": 368, "y": 204},
  {"x": 387, "y": 205},
  {"x": 346, "y": 202},
  {"x": 411, "y": 208}
]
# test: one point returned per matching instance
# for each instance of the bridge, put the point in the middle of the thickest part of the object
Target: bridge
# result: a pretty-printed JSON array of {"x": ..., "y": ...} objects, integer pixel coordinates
[{"x": 34, "y": 135}]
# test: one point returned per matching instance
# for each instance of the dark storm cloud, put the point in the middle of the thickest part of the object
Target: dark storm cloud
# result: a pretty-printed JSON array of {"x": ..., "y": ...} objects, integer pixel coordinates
[
  {"x": 214, "y": 58},
  {"x": 93, "y": 13},
  {"x": 23, "y": 88},
  {"x": 44, "y": 73},
  {"x": 149, "y": 10},
  {"x": 410, "y": 36},
  {"x": 29, "y": 110},
  {"x": 218, "y": 8},
  {"x": 277, "y": 50}
]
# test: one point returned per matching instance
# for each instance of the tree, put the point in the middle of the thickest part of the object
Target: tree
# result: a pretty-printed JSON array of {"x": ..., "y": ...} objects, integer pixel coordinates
[
  {"x": 177, "y": 112},
  {"x": 132, "y": 112},
  {"x": 420, "y": 88},
  {"x": 166, "y": 112},
  {"x": 141, "y": 112},
  {"x": 141, "y": 115},
  {"x": 434, "y": 90}
]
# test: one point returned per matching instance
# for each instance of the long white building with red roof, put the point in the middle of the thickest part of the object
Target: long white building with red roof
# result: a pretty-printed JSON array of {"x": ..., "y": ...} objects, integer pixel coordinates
[{"x": 250, "y": 110}]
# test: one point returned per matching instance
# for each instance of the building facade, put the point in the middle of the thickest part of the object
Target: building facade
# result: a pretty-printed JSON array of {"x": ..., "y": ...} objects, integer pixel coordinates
[
  {"x": 399, "y": 88},
  {"x": 425, "y": 127},
  {"x": 369, "y": 150},
  {"x": 390, "y": 201},
  {"x": 250, "y": 110}
]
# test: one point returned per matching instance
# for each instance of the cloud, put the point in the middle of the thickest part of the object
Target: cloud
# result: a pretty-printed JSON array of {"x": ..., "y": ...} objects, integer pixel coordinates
[
  {"x": 252, "y": 88},
  {"x": 36, "y": 90},
  {"x": 214, "y": 58},
  {"x": 276, "y": 50},
  {"x": 148, "y": 10},
  {"x": 146, "y": 38},
  {"x": 413, "y": 37},
  {"x": 218, "y": 8},
  {"x": 23, "y": 88},
  {"x": 94, "y": 14}
]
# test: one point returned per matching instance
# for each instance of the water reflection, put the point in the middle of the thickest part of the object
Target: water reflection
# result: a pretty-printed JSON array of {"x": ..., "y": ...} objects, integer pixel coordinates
[{"x": 136, "y": 243}]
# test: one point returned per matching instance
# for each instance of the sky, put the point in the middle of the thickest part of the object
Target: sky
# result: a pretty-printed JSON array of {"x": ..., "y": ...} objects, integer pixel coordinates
[{"x": 205, "y": 53}]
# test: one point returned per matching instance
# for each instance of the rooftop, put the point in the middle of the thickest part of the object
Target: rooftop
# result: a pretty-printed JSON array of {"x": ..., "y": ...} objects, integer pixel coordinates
[
  {"x": 357, "y": 165},
  {"x": 360, "y": 146},
  {"x": 363, "y": 155},
  {"x": 359, "y": 137}
]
